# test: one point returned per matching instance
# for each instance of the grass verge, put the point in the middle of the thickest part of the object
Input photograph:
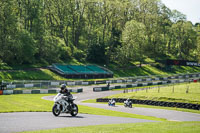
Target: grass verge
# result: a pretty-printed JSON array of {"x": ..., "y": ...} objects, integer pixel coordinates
[
  {"x": 41, "y": 74},
  {"x": 150, "y": 70},
  {"x": 161, "y": 127},
  {"x": 185, "y": 92}
]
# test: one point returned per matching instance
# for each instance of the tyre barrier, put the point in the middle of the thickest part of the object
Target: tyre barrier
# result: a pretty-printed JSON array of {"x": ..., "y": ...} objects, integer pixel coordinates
[
  {"x": 41, "y": 91},
  {"x": 155, "y": 103}
]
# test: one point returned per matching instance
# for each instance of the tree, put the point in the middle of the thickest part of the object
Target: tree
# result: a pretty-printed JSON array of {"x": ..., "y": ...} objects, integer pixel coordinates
[
  {"x": 133, "y": 42},
  {"x": 184, "y": 39},
  {"x": 8, "y": 31}
]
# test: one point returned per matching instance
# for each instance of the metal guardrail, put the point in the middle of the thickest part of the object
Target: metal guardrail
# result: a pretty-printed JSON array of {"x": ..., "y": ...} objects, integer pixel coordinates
[{"x": 56, "y": 83}]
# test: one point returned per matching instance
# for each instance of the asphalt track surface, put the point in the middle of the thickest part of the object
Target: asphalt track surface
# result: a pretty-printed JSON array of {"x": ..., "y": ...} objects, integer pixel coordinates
[
  {"x": 171, "y": 115},
  {"x": 28, "y": 121}
]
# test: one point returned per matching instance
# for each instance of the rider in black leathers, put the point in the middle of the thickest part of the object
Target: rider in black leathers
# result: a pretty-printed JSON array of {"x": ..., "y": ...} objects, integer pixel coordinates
[
  {"x": 64, "y": 90},
  {"x": 66, "y": 93}
]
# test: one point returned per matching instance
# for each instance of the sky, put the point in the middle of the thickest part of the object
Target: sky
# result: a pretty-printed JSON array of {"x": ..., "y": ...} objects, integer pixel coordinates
[{"x": 191, "y": 8}]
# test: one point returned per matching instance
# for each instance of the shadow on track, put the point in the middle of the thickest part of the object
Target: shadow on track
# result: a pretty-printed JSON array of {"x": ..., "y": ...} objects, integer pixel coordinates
[{"x": 72, "y": 117}]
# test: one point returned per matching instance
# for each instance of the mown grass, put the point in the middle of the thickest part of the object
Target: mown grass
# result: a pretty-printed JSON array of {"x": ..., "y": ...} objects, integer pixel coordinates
[
  {"x": 151, "y": 70},
  {"x": 161, "y": 127},
  {"x": 45, "y": 74},
  {"x": 25, "y": 103},
  {"x": 171, "y": 93},
  {"x": 34, "y": 103},
  {"x": 41, "y": 74}
]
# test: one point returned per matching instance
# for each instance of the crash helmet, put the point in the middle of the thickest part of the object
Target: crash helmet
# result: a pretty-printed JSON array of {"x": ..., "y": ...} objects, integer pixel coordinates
[{"x": 63, "y": 86}]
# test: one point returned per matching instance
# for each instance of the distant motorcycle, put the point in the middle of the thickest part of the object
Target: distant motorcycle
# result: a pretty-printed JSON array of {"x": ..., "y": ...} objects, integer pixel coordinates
[
  {"x": 128, "y": 103},
  {"x": 64, "y": 104},
  {"x": 111, "y": 102}
]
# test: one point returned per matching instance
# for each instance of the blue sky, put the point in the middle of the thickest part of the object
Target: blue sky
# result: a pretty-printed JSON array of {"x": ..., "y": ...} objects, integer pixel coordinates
[{"x": 191, "y": 8}]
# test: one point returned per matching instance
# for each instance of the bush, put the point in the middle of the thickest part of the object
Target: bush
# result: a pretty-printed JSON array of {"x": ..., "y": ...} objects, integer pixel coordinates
[{"x": 79, "y": 55}]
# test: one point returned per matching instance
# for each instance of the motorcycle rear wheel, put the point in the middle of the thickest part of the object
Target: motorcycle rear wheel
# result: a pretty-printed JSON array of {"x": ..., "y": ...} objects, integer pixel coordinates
[
  {"x": 55, "y": 111},
  {"x": 74, "y": 111}
]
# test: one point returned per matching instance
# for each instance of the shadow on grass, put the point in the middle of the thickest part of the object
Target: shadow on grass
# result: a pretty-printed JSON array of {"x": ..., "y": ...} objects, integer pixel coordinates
[{"x": 28, "y": 75}]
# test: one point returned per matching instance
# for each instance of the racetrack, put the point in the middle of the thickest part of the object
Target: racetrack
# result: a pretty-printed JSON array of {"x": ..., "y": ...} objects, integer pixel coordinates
[
  {"x": 171, "y": 115},
  {"x": 26, "y": 121}
]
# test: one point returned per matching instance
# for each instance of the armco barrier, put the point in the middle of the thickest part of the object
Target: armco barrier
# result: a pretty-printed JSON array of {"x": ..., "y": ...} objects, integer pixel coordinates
[
  {"x": 38, "y": 83},
  {"x": 79, "y": 90},
  {"x": 100, "y": 89},
  {"x": 155, "y": 103},
  {"x": 17, "y": 92},
  {"x": 35, "y": 92},
  {"x": 41, "y": 91},
  {"x": 52, "y": 91},
  {"x": 7, "y": 92}
]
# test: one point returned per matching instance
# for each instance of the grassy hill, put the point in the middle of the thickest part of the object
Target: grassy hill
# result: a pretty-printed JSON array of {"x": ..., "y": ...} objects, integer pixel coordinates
[{"x": 38, "y": 72}]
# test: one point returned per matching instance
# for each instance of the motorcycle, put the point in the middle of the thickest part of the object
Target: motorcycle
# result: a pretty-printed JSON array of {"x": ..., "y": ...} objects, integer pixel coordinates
[
  {"x": 64, "y": 104},
  {"x": 128, "y": 103},
  {"x": 111, "y": 102}
]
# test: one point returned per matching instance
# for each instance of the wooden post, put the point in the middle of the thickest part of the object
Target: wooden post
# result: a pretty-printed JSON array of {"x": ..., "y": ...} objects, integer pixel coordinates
[{"x": 187, "y": 90}]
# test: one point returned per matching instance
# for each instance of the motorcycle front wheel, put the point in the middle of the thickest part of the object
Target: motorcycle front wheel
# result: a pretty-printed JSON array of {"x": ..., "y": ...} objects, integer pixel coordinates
[
  {"x": 74, "y": 111},
  {"x": 56, "y": 111}
]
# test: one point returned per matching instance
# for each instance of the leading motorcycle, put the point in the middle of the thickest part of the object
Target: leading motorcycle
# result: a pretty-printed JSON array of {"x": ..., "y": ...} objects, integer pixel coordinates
[
  {"x": 128, "y": 103},
  {"x": 64, "y": 104}
]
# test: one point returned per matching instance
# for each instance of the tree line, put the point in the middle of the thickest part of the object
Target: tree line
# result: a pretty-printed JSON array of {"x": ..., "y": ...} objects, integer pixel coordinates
[{"x": 97, "y": 31}]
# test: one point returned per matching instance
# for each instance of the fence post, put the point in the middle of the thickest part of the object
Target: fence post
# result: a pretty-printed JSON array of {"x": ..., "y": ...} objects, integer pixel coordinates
[
  {"x": 48, "y": 84},
  {"x": 187, "y": 90}
]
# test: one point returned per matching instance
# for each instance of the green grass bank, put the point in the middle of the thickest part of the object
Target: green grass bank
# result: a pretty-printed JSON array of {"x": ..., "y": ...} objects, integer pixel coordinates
[
  {"x": 184, "y": 92},
  {"x": 45, "y": 74},
  {"x": 161, "y": 127}
]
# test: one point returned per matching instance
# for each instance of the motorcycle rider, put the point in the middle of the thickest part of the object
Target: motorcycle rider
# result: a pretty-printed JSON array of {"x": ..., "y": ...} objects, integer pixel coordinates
[
  {"x": 66, "y": 93},
  {"x": 111, "y": 102},
  {"x": 64, "y": 90},
  {"x": 64, "y": 102},
  {"x": 128, "y": 102}
]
